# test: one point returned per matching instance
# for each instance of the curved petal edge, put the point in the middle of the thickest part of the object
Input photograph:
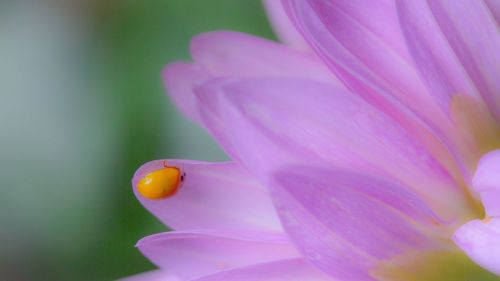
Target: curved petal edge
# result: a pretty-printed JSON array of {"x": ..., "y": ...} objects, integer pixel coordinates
[{"x": 480, "y": 240}]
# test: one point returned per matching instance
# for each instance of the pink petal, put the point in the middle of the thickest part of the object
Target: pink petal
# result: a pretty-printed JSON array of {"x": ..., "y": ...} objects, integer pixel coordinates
[
  {"x": 190, "y": 255},
  {"x": 283, "y": 26},
  {"x": 494, "y": 6},
  {"x": 361, "y": 42},
  {"x": 284, "y": 270},
  {"x": 487, "y": 182},
  {"x": 267, "y": 123},
  {"x": 455, "y": 47},
  {"x": 155, "y": 275},
  {"x": 236, "y": 54},
  {"x": 346, "y": 223},
  {"x": 180, "y": 78},
  {"x": 481, "y": 242},
  {"x": 213, "y": 196},
  {"x": 364, "y": 43}
]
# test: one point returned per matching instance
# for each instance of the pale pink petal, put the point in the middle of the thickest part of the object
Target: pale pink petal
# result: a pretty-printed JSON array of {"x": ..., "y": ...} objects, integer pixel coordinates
[
  {"x": 487, "y": 182},
  {"x": 284, "y": 270},
  {"x": 213, "y": 196},
  {"x": 455, "y": 47},
  {"x": 267, "y": 123},
  {"x": 180, "y": 78},
  {"x": 234, "y": 54},
  {"x": 155, "y": 275},
  {"x": 283, "y": 26},
  {"x": 193, "y": 254},
  {"x": 480, "y": 240},
  {"x": 346, "y": 223}
]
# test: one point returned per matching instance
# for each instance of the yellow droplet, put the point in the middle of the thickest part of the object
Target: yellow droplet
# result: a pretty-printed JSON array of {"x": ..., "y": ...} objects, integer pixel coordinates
[{"x": 160, "y": 184}]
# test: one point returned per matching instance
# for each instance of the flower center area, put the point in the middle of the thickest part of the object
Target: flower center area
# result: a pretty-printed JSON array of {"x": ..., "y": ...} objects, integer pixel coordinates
[
  {"x": 479, "y": 134},
  {"x": 434, "y": 266}
]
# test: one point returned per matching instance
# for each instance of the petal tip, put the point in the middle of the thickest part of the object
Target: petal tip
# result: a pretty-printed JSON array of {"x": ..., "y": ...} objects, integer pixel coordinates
[{"x": 481, "y": 242}]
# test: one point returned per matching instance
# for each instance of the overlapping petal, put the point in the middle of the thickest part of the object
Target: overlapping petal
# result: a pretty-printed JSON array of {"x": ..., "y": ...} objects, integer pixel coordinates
[
  {"x": 154, "y": 275},
  {"x": 264, "y": 119},
  {"x": 284, "y": 270},
  {"x": 193, "y": 254},
  {"x": 455, "y": 47},
  {"x": 480, "y": 240},
  {"x": 346, "y": 223},
  {"x": 180, "y": 78},
  {"x": 367, "y": 157},
  {"x": 394, "y": 54},
  {"x": 213, "y": 196},
  {"x": 362, "y": 43},
  {"x": 487, "y": 182},
  {"x": 494, "y": 7},
  {"x": 283, "y": 26},
  {"x": 233, "y": 54}
]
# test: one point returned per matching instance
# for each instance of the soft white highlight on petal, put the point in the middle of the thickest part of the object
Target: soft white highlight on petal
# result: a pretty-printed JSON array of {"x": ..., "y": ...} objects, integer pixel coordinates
[{"x": 480, "y": 240}]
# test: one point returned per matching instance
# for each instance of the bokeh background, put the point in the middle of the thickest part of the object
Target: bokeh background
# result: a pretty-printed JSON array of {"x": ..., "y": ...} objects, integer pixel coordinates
[{"x": 81, "y": 107}]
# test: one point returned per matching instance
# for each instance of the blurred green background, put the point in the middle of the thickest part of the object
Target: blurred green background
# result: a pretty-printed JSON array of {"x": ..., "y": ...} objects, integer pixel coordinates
[{"x": 82, "y": 106}]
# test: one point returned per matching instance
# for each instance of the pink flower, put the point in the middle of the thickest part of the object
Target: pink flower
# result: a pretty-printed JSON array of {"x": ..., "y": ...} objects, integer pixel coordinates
[{"x": 364, "y": 149}]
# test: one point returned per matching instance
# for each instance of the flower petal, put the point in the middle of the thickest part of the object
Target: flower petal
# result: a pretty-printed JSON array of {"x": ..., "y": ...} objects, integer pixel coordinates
[
  {"x": 154, "y": 275},
  {"x": 494, "y": 6},
  {"x": 455, "y": 47},
  {"x": 346, "y": 223},
  {"x": 234, "y": 54},
  {"x": 190, "y": 255},
  {"x": 284, "y": 270},
  {"x": 267, "y": 123},
  {"x": 213, "y": 196},
  {"x": 487, "y": 182},
  {"x": 480, "y": 240},
  {"x": 361, "y": 42},
  {"x": 180, "y": 78},
  {"x": 283, "y": 26}
]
